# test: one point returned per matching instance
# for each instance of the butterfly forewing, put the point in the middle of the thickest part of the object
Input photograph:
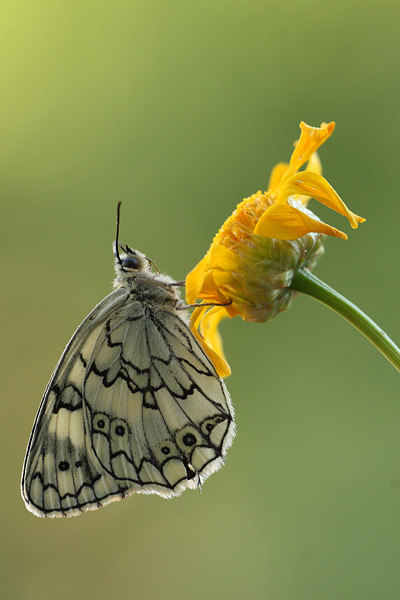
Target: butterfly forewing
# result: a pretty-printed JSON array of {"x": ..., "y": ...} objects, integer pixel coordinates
[{"x": 134, "y": 405}]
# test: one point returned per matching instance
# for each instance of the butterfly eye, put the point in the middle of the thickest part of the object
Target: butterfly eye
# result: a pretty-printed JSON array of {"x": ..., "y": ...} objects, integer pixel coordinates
[{"x": 130, "y": 263}]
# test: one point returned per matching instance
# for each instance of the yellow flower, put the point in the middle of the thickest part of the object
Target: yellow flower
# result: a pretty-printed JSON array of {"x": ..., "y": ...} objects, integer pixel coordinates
[{"x": 267, "y": 239}]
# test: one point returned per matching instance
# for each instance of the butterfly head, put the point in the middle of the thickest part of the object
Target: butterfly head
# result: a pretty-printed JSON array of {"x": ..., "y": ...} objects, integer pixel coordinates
[{"x": 130, "y": 261}]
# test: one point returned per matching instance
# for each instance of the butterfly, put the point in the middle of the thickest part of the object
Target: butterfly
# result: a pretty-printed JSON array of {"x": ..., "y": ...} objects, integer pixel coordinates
[{"x": 134, "y": 403}]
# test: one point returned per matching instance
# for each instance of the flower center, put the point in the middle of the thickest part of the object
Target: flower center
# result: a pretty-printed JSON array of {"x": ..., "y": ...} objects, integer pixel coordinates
[{"x": 239, "y": 227}]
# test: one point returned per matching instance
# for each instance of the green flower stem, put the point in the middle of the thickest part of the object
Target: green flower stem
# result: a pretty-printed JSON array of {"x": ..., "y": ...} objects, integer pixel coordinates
[{"x": 304, "y": 281}]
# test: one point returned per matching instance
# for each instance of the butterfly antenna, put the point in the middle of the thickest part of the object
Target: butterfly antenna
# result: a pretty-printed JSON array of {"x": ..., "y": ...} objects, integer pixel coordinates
[{"x": 116, "y": 253}]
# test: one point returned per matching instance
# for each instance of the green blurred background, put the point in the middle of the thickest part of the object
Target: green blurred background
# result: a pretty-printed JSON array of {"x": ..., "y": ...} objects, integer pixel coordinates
[{"x": 180, "y": 109}]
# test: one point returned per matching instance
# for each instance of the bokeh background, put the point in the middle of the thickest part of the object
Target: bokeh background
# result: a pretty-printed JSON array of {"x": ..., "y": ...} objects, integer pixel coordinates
[{"x": 180, "y": 109}]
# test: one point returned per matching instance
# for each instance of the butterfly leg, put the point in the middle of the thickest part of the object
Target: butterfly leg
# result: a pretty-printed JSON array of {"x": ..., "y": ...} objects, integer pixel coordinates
[{"x": 180, "y": 305}]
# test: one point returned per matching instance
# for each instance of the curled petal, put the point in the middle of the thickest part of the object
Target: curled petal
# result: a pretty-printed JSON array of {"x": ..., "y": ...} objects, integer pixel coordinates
[
  {"x": 200, "y": 281},
  {"x": 311, "y": 139},
  {"x": 316, "y": 186},
  {"x": 219, "y": 281},
  {"x": 208, "y": 321},
  {"x": 209, "y": 328},
  {"x": 210, "y": 290},
  {"x": 220, "y": 364},
  {"x": 313, "y": 165},
  {"x": 285, "y": 222}
]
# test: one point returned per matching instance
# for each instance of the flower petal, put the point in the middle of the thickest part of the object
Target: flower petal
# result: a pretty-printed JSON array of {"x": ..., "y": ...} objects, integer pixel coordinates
[
  {"x": 311, "y": 139},
  {"x": 316, "y": 186},
  {"x": 276, "y": 175},
  {"x": 210, "y": 290},
  {"x": 194, "y": 280},
  {"x": 314, "y": 164},
  {"x": 209, "y": 328},
  {"x": 285, "y": 222},
  {"x": 218, "y": 277},
  {"x": 220, "y": 257},
  {"x": 212, "y": 343}
]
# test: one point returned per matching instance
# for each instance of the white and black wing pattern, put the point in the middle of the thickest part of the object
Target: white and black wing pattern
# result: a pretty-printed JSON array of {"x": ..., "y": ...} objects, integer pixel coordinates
[
  {"x": 59, "y": 472},
  {"x": 158, "y": 416},
  {"x": 135, "y": 405}
]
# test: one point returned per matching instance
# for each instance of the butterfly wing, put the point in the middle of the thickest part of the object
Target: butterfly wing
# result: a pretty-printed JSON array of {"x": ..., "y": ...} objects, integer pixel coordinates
[
  {"x": 133, "y": 406},
  {"x": 60, "y": 474},
  {"x": 159, "y": 417}
]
